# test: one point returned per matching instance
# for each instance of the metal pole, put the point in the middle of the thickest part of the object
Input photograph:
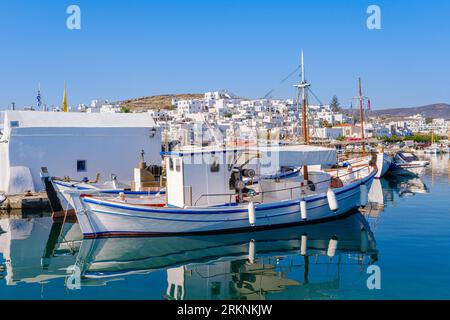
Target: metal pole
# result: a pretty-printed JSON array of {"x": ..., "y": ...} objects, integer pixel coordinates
[{"x": 361, "y": 115}]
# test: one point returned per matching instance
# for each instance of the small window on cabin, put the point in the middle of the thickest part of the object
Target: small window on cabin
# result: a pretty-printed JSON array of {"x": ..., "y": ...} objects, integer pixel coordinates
[
  {"x": 14, "y": 124},
  {"x": 170, "y": 164},
  {"x": 81, "y": 166},
  {"x": 178, "y": 165}
]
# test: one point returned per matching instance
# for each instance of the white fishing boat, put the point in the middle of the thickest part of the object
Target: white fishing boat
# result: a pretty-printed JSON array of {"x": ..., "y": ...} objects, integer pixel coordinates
[
  {"x": 384, "y": 162},
  {"x": 147, "y": 188},
  {"x": 434, "y": 149},
  {"x": 408, "y": 163},
  {"x": 154, "y": 196},
  {"x": 206, "y": 194}
]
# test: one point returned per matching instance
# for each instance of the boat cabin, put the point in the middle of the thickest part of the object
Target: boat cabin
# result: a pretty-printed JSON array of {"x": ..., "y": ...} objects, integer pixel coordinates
[{"x": 226, "y": 176}]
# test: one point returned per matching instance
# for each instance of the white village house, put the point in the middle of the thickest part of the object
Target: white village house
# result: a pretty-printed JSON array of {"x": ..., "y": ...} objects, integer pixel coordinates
[{"x": 73, "y": 144}]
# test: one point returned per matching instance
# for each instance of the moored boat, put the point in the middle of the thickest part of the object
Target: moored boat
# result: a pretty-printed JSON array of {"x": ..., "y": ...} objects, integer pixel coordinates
[
  {"x": 206, "y": 194},
  {"x": 383, "y": 161},
  {"x": 147, "y": 188},
  {"x": 408, "y": 163}
]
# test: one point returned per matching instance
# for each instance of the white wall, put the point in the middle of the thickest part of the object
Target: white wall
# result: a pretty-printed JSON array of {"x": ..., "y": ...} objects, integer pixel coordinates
[{"x": 109, "y": 143}]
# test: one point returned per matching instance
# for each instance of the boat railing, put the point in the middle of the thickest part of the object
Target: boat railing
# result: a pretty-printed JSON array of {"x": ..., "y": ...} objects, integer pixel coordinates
[{"x": 357, "y": 176}]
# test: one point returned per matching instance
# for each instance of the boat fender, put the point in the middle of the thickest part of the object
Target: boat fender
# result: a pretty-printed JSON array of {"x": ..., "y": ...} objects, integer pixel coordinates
[
  {"x": 251, "y": 251},
  {"x": 332, "y": 246},
  {"x": 364, "y": 195},
  {"x": 332, "y": 201},
  {"x": 251, "y": 214},
  {"x": 304, "y": 244},
  {"x": 364, "y": 240},
  {"x": 303, "y": 210}
]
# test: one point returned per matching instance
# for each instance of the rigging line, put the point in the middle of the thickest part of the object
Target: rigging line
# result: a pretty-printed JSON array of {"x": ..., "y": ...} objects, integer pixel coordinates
[
  {"x": 281, "y": 82},
  {"x": 315, "y": 96}
]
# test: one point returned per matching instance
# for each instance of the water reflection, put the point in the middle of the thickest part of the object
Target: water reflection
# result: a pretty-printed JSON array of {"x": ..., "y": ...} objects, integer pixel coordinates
[
  {"x": 306, "y": 259},
  {"x": 23, "y": 244},
  {"x": 305, "y": 262},
  {"x": 236, "y": 266}
]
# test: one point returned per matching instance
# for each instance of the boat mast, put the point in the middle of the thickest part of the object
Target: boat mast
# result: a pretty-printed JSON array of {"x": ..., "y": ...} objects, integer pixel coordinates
[
  {"x": 302, "y": 87},
  {"x": 361, "y": 115}
]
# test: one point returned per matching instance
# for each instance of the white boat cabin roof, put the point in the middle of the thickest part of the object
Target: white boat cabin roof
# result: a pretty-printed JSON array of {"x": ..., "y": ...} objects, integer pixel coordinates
[{"x": 286, "y": 155}]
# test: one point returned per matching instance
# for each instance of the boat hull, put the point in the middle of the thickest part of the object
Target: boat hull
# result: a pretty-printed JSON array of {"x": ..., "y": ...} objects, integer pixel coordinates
[
  {"x": 63, "y": 188},
  {"x": 384, "y": 162},
  {"x": 101, "y": 218}
]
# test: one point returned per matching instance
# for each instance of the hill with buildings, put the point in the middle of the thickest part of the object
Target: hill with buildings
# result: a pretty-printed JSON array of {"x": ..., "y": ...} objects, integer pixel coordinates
[
  {"x": 438, "y": 110},
  {"x": 163, "y": 101}
]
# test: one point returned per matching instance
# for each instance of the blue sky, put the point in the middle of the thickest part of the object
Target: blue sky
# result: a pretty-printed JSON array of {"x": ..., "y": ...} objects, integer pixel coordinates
[{"x": 128, "y": 49}]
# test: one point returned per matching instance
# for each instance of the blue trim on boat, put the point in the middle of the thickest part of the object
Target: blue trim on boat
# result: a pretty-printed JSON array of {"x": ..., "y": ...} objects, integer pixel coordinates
[
  {"x": 268, "y": 206},
  {"x": 219, "y": 231},
  {"x": 226, "y": 220},
  {"x": 110, "y": 191}
]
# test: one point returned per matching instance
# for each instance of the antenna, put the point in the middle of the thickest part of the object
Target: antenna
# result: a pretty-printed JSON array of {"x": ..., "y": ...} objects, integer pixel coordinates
[{"x": 361, "y": 115}]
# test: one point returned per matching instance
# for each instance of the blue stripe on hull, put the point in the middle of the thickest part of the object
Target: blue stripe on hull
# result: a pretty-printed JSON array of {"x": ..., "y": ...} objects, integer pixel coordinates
[
  {"x": 102, "y": 221},
  {"x": 108, "y": 234},
  {"x": 110, "y": 191}
]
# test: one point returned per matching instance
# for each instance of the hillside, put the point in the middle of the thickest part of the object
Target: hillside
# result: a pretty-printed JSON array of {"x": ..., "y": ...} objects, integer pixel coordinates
[
  {"x": 156, "y": 102},
  {"x": 439, "y": 110}
]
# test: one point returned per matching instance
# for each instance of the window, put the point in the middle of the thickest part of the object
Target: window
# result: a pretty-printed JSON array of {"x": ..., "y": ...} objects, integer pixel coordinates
[
  {"x": 81, "y": 166},
  {"x": 14, "y": 124},
  {"x": 170, "y": 164},
  {"x": 178, "y": 165}
]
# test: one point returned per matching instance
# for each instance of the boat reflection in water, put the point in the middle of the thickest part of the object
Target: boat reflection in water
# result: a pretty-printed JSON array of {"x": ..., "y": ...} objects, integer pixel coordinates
[
  {"x": 28, "y": 245},
  {"x": 407, "y": 185},
  {"x": 237, "y": 266}
]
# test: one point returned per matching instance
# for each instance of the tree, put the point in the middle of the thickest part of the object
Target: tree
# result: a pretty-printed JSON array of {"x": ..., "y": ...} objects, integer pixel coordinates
[
  {"x": 334, "y": 104},
  {"x": 125, "y": 110}
]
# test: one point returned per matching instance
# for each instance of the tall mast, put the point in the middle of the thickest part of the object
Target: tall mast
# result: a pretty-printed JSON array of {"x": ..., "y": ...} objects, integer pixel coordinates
[
  {"x": 303, "y": 86},
  {"x": 361, "y": 116},
  {"x": 304, "y": 106}
]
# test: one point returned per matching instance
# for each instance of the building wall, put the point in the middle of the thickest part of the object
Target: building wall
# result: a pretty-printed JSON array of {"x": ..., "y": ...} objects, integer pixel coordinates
[{"x": 105, "y": 150}]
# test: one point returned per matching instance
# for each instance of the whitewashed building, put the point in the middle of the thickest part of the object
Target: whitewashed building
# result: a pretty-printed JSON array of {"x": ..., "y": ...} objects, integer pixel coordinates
[{"x": 73, "y": 144}]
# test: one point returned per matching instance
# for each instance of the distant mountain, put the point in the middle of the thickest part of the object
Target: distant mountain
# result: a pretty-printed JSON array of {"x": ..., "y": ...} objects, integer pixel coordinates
[
  {"x": 438, "y": 110},
  {"x": 163, "y": 101}
]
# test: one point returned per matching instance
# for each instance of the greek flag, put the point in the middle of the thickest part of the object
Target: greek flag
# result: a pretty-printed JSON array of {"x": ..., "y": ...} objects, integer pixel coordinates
[{"x": 39, "y": 99}]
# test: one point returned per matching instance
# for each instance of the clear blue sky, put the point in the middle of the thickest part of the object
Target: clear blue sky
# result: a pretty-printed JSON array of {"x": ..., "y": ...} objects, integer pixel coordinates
[{"x": 135, "y": 48}]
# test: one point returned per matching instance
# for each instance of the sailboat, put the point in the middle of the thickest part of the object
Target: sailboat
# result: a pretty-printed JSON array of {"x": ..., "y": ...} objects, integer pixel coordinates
[
  {"x": 384, "y": 160},
  {"x": 434, "y": 148}
]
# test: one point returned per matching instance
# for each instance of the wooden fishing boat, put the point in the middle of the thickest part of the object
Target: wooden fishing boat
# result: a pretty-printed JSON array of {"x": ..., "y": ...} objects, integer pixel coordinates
[{"x": 206, "y": 194}]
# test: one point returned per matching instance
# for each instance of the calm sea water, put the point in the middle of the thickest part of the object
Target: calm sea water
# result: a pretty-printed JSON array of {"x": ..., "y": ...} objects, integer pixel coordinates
[{"x": 405, "y": 232}]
